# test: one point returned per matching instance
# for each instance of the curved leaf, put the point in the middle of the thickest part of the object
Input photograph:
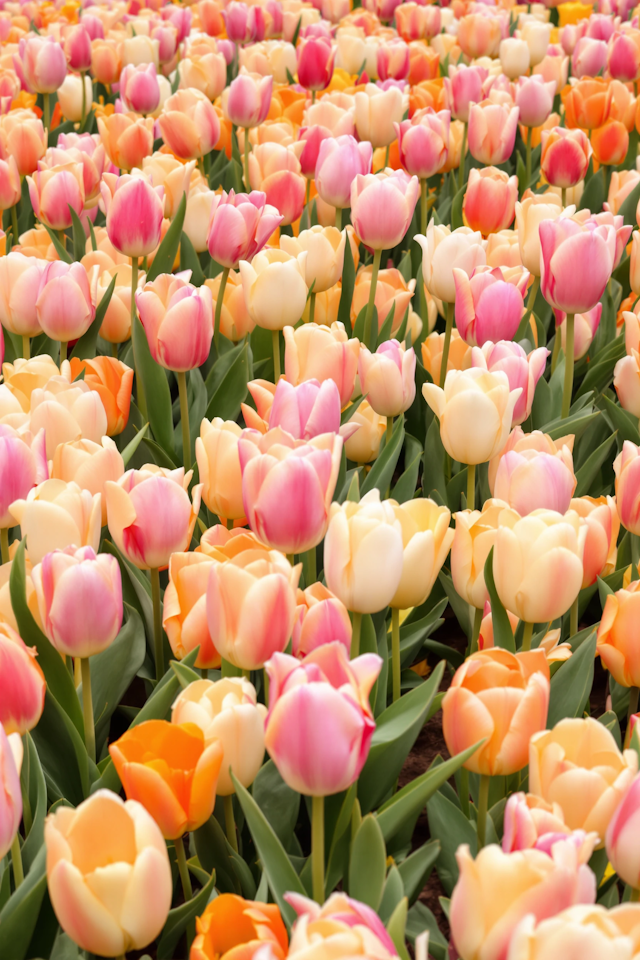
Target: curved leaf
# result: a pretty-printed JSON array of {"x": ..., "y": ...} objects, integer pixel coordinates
[
  {"x": 166, "y": 255},
  {"x": 180, "y": 917}
]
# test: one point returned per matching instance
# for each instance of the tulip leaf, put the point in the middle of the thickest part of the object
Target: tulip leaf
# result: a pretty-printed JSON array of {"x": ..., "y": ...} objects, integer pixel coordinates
[
  {"x": 155, "y": 386},
  {"x": 349, "y": 411},
  {"x": 61, "y": 251},
  {"x": 460, "y": 607},
  {"x": 601, "y": 367},
  {"x": 133, "y": 444},
  {"x": 409, "y": 801},
  {"x": 367, "y": 863},
  {"x": 180, "y": 917},
  {"x": 396, "y": 731},
  {"x": 415, "y": 870},
  {"x": 593, "y": 195},
  {"x": 433, "y": 480},
  {"x": 629, "y": 206},
  {"x": 185, "y": 675},
  {"x": 136, "y": 589},
  {"x": 189, "y": 261},
  {"x": 611, "y": 722},
  {"x": 19, "y": 916},
  {"x": 382, "y": 470},
  {"x": 59, "y": 680},
  {"x": 502, "y": 632},
  {"x": 230, "y": 389},
  {"x": 77, "y": 231},
  {"x": 571, "y": 684},
  {"x": 85, "y": 348},
  {"x": 619, "y": 419},
  {"x": 448, "y": 824},
  {"x": 384, "y": 334},
  {"x": 589, "y": 469},
  {"x": 278, "y": 802},
  {"x": 34, "y": 788},
  {"x": 214, "y": 853},
  {"x": 353, "y": 493},
  {"x": 456, "y": 209},
  {"x": 280, "y": 872},
  {"x": 419, "y": 919},
  {"x": 405, "y": 488},
  {"x": 166, "y": 253},
  {"x": 62, "y": 753},
  {"x": 396, "y": 928},
  {"x": 92, "y": 234},
  {"x": 348, "y": 282},
  {"x": 392, "y": 894}
]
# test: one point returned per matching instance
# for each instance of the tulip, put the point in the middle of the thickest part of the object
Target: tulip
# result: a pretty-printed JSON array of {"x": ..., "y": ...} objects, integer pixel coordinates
[
  {"x": 532, "y": 443},
  {"x": 603, "y": 526},
  {"x": 583, "y": 930},
  {"x": 314, "y": 352},
  {"x": 230, "y": 924},
  {"x": 533, "y": 480},
  {"x": 530, "y": 212},
  {"x": 240, "y": 227},
  {"x": 626, "y": 466},
  {"x": 423, "y": 141},
  {"x": 139, "y": 88},
  {"x": 622, "y": 847},
  {"x": 247, "y": 99},
  {"x": 463, "y": 87},
  {"x": 140, "y": 49},
  {"x": 189, "y": 124},
  {"x": 22, "y": 684},
  {"x": 127, "y": 139},
  {"x": 489, "y": 306},
  {"x": 610, "y": 142},
  {"x": 226, "y": 712},
  {"x": 341, "y": 924},
  {"x": 10, "y": 795},
  {"x": 486, "y": 910},
  {"x": 579, "y": 766},
  {"x": 43, "y": 62},
  {"x": 67, "y": 412},
  {"x": 304, "y": 412},
  {"x": 274, "y": 287},
  {"x": 134, "y": 215},
  {"x": 589, "y": 57},
  {"x": 584, "y": 330},
  {"x": 320, "y": 618},
  {"x": 387, "y": 378},
  {"x": 489, "y": 200},
  {"x": 415, "y": 22},
  {"x": 74, "y": 95},
  {"x": 376, "y": 113},
  {"x": 534, "y": 98},
  {"x": 116, "y": 325},
  {"x": 514, "y": 57},
  {"x": 442, "y": 250},
  {"x": 315, "y": 62},
  {"x": 325, "y": 255},
  {"x": 63, "y": 306},
  {"x": 56, "y": 515},
  {"x": 112, "y": 381},
  {"x": 523, "y": 371},
  {"x": 565, "y": 156},
  {"x": 184, "y": 615},
  {"x": 251, "y": 600},
  {"x": 396, "y": 194},
  {"x": 89, "y": 464},
  {"x": 502, "y": 249},
  {"x": 391, "y": 292},
  {"x": 24, "y": 376},
  {"x": 219, "y": 467},
  {"x": 206, "y": 73},
  {"x": 479, "y": 34},
  {"x": 459, "y": 357},
  {"x": 106, "y": 60},
  {"x": 178, "y": 321},
  {"x": 475, "y": 411},
  {"x": 10, "y": 187},
  {"x": 340, "y": 161},
  {"x": 587, "y": 103},
  {"x": 22, "y": 136},
  {"x": 244, "y": 23},
  {"x": 492, "y": 131},
  {"x": 319, "y": 759},
  {"x": 426, "y": 538},
  {"x": 364, "y": 445},
  {"x": 53, "y": 190},
  {"x": 528, "y": 821},
  {"x": 23, "y": 464},
  {"x": 275, "y": 170},
  {"x": 615, "y": 633}
]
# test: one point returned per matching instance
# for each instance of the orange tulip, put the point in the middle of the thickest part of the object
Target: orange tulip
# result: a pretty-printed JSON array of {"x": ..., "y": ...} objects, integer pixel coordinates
[
  {"x": 127, "y": 138},
  {"x": 610, "y": 142},
  {"x": 587, "y": 103},
  {"x": 428, "y": 93},
  {"x": 236, "y": 929},
  {"x": 617, "y": 635},
  {"x": 167, "y": 768},
  {"x": 112, "y": 380}
]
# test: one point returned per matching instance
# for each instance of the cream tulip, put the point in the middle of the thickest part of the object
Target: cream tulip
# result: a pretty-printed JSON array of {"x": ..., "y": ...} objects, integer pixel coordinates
[
  {"x": 364, "y": 445},
  {"x": 426, "y": 541},
  {"x": 585, "y": 931},
  {"x": 89, "y": 464},
  {"x": 530, "y": 212},
  {"x": 442, "y": 250},
  {"x": 474, "y": 536},
  {"x": 56, "y": 515},
  {"x": 165, "y": 170},
  {"x": 219, "y": 467},
  {"x": 274, "y": 287},
  {"x": 376, "y": 112},
  {"x": 325, "y": 254}
]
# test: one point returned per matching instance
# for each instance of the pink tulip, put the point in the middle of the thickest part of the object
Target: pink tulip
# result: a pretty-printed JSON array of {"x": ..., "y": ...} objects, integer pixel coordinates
[
  {"x": 10, "y": 795},
  {"x": 77, "y": 46},
  {"x": 135, "y": 211},
  {"x": 150, "y": 514},
  {"x": 10, "y": 186},
  {"x": 600, "y": 26},
  {"x": 312, "y": 137},
  {"x": 382, "y": 207},
  {"x": 339, "y": 916},
  {"x": 43, "y": 62},
  {"x": 589, "y": 57},
  {"x": 623, "y": 849},
  {"x": 534, "y": 99},
  {"x": 527, "y": 819},
  {"x": 319, "y": 726},
  {"x": 244, "y": 24},
  {"x": 423, "y": 142},
  {"x": 139, "y": 88},
  {"x": 80, "y": 600},
  {"x": 416, "y": 22},
  {"x": 463, "y": 87},
  {"x": 492, "y": 131},
  {"x": 167, "y": 37},
  {"x": 532, "y": 480},
  {"x": 93, "y": 26},
  {"x": 570, "y": 34},
  {"x": 22, "y": 684},
  {"x": 320, "y": 619},
  {"x": 488, "y": 307},
  {"x": 576, "y": 263},
  {"x": 315, "y": 63},
  {"x": 180, "y": 17},
  {"x": 340, "y": 161},
  {"x": 64, "y": 307},
  {"x": 584, "y": 330},
  {"x": 52, "y": 190},
  {"x": 305, "y": 411},
  {"x": 627, "y": 470},
  {"x": 623, "y": 231},
  {"x": 393, "y": 60},
  {"x": 387, "y": 377},
  {"x": 247, "y": 100},
  {"x": 490, "y": 200},
  {"x": 523, "y": 371},
  {"x": 189, "y": 124},
  {"x": 19, "y": 284},
  {"x": 623, "y": 60},
  {"x": 240, "y": 226},
  {"x": 276, "y": 469},
  {"x": 564, "y": 158},
  {"x": 178, "y": 321},
  {"x": 22, "y": 466}
]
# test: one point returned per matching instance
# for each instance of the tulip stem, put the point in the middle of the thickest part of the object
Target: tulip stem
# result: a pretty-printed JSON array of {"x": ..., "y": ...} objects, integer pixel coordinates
[
  {"x": 142, "y": 403},
  {"x": 471, "y": 486},
  {"x": 16, "y": 860},
  {"x": 568, "y": 368},
  {"x": 216, "y": 328},
  {"x": 84, "y": 99},
  {"x": 444, "y": 360},
  {"x": 317, "y": 848},
  {"x": 87, "y": 708},
  {"x": 483, "y": 803},
  {"x": 635, "y": 895},
  {"x": 556, "y": 350},
  {"x": 46, "y": 111},
  {"x": 275, "y": 340},
  {"x": 247, "y": 148},
  {"x": 157, "y": 623},
  {"x": 633, "y": 704},
  {"x": 265, "y": 679},
  {"x": 395, "y": 652},
  {"x": 355, "y": 635},
  {"x": 528, "y": 164},
  {"x": 312, "y": 574},
  {"x": 184, "y": 418},
  {"x": 477, "y": 623},
  {"x": 424, "y": 209},
  {"x": 386, "y": 157},
  {"x": 63, "y": 351},
  {"x": 183, "y": 868},
  {"x": 367, "y": 336},
  {"x": 26, "y": 347},
  {"x": 114, "y": 351},
  {"x": 463, "y": 152},
  {"x": 563, "y": 194},
  {"x": 338, "y": 218},
  {"x": 230, "y": 822},
  {"x": 4, "y": 544},
  {"x": 526, "y": 636},
  {"x": 14, "y": 222},
  {"x": 573, "y": 618},
  {"x": 312, "y": 306}
]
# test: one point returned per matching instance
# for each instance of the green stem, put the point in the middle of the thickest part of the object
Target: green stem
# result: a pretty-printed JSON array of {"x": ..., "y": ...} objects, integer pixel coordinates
[
  {"x": 27, "y": 817},
  {"x": 424, "y": 210},
  {"x": 463, "y": 153},
  {"x": 14, "y": 222},
  {"x": 556, "y": 350},
  {"x": 4, "y": 544},
  {"x": 635, "y": 555},
  {"x": 463, "y": 791},
  {"x": 563, "y": 194},
  {"x": 204, "y": 673},
  {"x": 355, "y": 635},
  {"x": 317, "y": 848},
  {"x": 528, "y": 164},
  {"x": 114, "y": 351},
  {"x": 142, "y": 402},
  {"x": 265, "y": 678},
  {"x": 483, "y": 803},
  {"x": 157, "y": 623},
  {"x": 526, "y": 636},
  {"x": 275, "y": 341},
  {"x": 63, "y": 351},
  {"x": 568, "y": 368},
  {"x": 247, "y": 149},
  {"x": 221, "y": 289},
  {"x": 183, "y": 868},
  {"x": 230, "y": 822},
  {"x": 386, "y": 157},
  {"x": 338, "y": 218},
  {"x": 87, "y": 709},
  {"x": 16, "y": 859},
  {"x": 312, "y": 574},
  {"x": 395, "y": 651},
  {"x": 477, "y": 623},
  {"x": 471, "y": 486},
  {"x": 573, "y": 618},
  {"x": 84, "y": 99},
  {"x": 635, "y": 895},
  {"x": 633, "y": 703},
  {"x": 26, "y": 347},
  {"x": 389, "y": 430},
  {"x": 184, "y": 419},
  {"x": 447, "y": 343},
  {"x": 46, "y": 111},
  {"x": 312, "y": 306},
  {"x": 367, "y": 335}
]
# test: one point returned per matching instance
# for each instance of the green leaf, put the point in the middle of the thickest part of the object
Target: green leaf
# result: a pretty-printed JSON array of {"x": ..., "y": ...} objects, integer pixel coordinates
[
  {"x": 278, "y": 802},
  {"x": 349, "y": 411},
  {"x": 589, "y": 469},
  {"x": 392, "y": 894},
  {"x": 628, "y": 207},
  {"x": 456, "y": 210},
  {"x": 133, "y": 444},
  {"x": 189, "y": 261},
  {"x": 185, "y": 675},
  {"x": 353, "y": 493},
  {"x": 19, "y": 915},
  {"x": 61, "y": 251},
  {"x": 231, "y": 387},
  {"x": 415, "y": 870},
  {"x": 155, "y": 386},
  {"x": 396, "y": 928},
  {"x": 166, "y": 255},
  {"x": 59, "y": 681},
  {"x": 382, "y": 470},
  {"x": 397, "y": 729},
  {"x": 384, "y": 333},
  {"x": 348, "y": 282},
  {"x": 620, "y": 420},
  {"x": 593, "y": 195},
  {"x": 406, "y": 485},
  {"x": 571, "y": 684},
  {"x": 214, "y": 853},
  {"x": 601, "y": 367},
  {"x": 419, "y": 919},
  {"x": 35, "y": 788},
  {"x": 280, "y": 872},
  {"x": 367, "y": 863},
  {"x": 85, "y": 348},
  {"x": 77, "y": 231},
  {"x": 180, "y": 917},
  {"x": 611, "y": 722},
  {"x": 62, "y": 752},
  {"x": 433, "y": 473},
  {"x": 459, "y": 606},
  {"x": 296, "y": 32},
  {"x": 448, "y": 824},
  {"x": 502, "y": 632}
]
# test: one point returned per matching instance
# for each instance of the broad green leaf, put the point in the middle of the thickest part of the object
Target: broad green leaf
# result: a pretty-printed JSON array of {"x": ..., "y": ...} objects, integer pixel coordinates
[
  {"x": 433, "y": 472},
  {"x": 231, "y": 389},
  {"x": 189, "y": 261},
  {"x": 611, "y": 722},
  {"x": 571, "y": 684},
  {"x": 381, "y": 472},
  {"x": 214, "y": 853},
  {"x": 60, "y": 250},
  {"x": 593, "y": 195},
  {"x": 133, "y": 444},
  {"x": 166, "y": 255},
  {"x": 450, "y": 827},
  {"x": 35, "y": 788},
  {"x": 155, "y": 386},
  {"x": 180, "y": 917},
  {"x": 419, "y": 919},
  {"x": 406, "y": 485},
  {"x": 396, "y": 928},
  {"x": 19, "y": 915},
  {"x": 628, "y": 207},
  {"x": 620, "y": 420},
  {"x": 367, "y": 863},
  {"x": 348, "y": 281},
  {"x": 502, "y": 632},
  {"x": 185, "y": 675},
  {"x": 589, "y": 469},
  {"x": 85, "y": 348},
  {"x": 601, "y": 367},
  {"x": 392, "y": 894},
  {"x": 77, "y": 231},
  {"x": 416, "y": 868},
  {"x": 456, "y": 210},
  {"x": 278, "y": 802},
  {"x": 62, "y": 753},
  {"x": 349, "y": 411}
]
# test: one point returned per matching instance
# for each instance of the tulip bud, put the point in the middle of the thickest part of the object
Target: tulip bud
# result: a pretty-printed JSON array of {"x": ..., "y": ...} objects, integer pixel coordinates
[
  {"x": 489, "y": 200},
  {"x": 134, "y": 215},
  {"x": 489, "y": 306},
  {"x": 178, "y": 321},
  {"x": 10, "y": 188},
  {"x": 189, "y": 124},
  {"x": 534, "y": 99},
  {"x": 523, "y": 371},
  {"x": 423, "y": 141},
  {"x": 320, "y": 352},
  {"x": 463, "y": 87},
  {"x": 106, "y": 60},
  {"x": 44, "y": 64},
  {"x": 394, "y": 192},
  {"x": 387, "y": 377},
  {"x": 112, "y": 381},
  {"x": 376, "y": 113},
  {"x": 320, "y": 618},
  {"x": 70, "y": 96},
  {"x": 275, "y": 170},
  {"x": 325, "y": 255},
  {"x": 442, "y": 250},
  {"x": 530, "y": 212},
  {"x": 340, "y": 161},
  {"x": 89, "y": 464},
  {"x": 22, "y": 136},
  {"x": 22, "y": 684},
  {"x": 127, "y": 138},
  {"x": 275, "y": 291},
  {"x": 315, "y": 62},
  {"x": 590, "y": 250},
  {"x": 139, "y": 89},
  {"x": 184, "y": 616},
  {"x": 492, "y": 131},
  {"x": 63, "y": 307},
  {"x": 53, "y": 190},
  {"x": 247, "y": 99},
  {"x": 610, "y": 142},
  {"x": 514, "y": 57},
  {"x": 364, "y": 445}
]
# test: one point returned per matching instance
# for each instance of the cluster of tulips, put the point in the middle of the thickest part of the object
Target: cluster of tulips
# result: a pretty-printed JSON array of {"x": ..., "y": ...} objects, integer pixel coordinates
[{"x": 283, "y": 287}]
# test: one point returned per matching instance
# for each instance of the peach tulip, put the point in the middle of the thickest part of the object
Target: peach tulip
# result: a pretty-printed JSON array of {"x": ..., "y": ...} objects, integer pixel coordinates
[
  {"x": 431, "y": 348},
  {"x": 10, "y": 793},
  {"x": 305, "y": 411},
  {"x": 376, "y": 113},
  {"x": 463, "y": 87},
  {"x": 489, "y": 200},
  {"x": 391, "y": 193},
  {"x": 587, "y": 103},
  {"x": 10, "y": 187},
  {"x": 189, "y": 124},
  {"x": 319, "y": 726},
  {"x": 178, "y": 321},
  {"x": 235, "y": 320},
  {"x": 219, "y": 467},
  {"x": 22, "y": 684},
  {"x": 116, "y": 325},
  {"x": 120, "y": 844},
  {"x": 64, "y": 308},
  {"x": 89, "y": 464},
  {"x": 53, "y": 190},
  {"x": 585, "y": 931},
  {"x": 610, "y": 142},
  {"x": 184, "y": 615},
  {"x": 134, "y": 214},
  {"x": 480, "y": 34},
  {"x": 340, "y": 161},
  {"x": 621, "y": 837},
  {"x": 165, "y": 170},
  {"x": 426, "y": 540},
  {"x": 228, "y": 713},
  {"x": 319, "y": 352},
  {"x": 533, "y": 480},
  {"x": 106, "y": 60},
  {"x": 615, "y": 636},
  {"x": 530, "y": 212},
  {"x": 475, "y": 535},
  {"x": 387, "y": 377},
  {"x": 22, "y": 136},
  {"x": 603, "y": 525},
  {"x": 626, "y": 467},
  {"x": 127, "y": 138},
  {"x": 320, "y": 618},
  {"x": 275, "y": 170},
  {"x": 67, "y": 411},
  {"x": 492, "y": 131},
  {"x": 112, "y": 381},
  {"x": 274, "y": 287},
  {"x": 537, "y": 441},
  {"x": 442, "y": 250},
  {"x": 529, "y": 822},
  {"x": 364, "y": 445},
  {"x": 56, "y": 515},
  {"x": 325, "y": 254},
  {"x": 392, "y": 293},
  {"x": 231, "y": 926},
  {"x": 342, "y": 923},
  {"x": 19, "y": 285}
]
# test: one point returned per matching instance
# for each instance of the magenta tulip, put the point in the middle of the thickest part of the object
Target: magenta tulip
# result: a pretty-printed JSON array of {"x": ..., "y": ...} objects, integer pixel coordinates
[
  {"x": 135, "y": 211},
  {"x": 340, "y": 161},
  {"x": 240, "y": 226}
]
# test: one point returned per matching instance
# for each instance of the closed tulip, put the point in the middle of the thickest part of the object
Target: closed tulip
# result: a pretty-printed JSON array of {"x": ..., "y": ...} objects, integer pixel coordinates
[
  {"x": 590, "y": 932},
  {"x": 178, "y": 321},
  {"x": 523, "y": 370},
  {"x": 392, "y": 192},
  {"x": 10, "y": 187},
  {"x": 415, "y": 22},
  {"x": 228, "y": 713},
  {"x": 534, "y": 99},
  {"x": 392, "y": 292},
  {"x": 106, "y": 60},
  {"x": 489, "y": 200},
  {"x": 53, "y": 190},
  {"x": 621, "y": 836},
  {"x": 340, "y": 161},
  {"x": 240, "y": 227},
  {"x": 342, "y": 923},
  {"x": 426, "y": 540},
  {"x": 274, "y": 287},
  {"x": 533, "y": 480},
  {"x": 116, "y": 325},
  {"x": 70, "y": 96},
  {"x": 56, "y": 515},
  {"x": 475, "y": 535},
  {"x": 22, "y": 684},
  {"x": 134, "y": 215},
  {"x": 189, "y": 124},
  {"x": 168, "y": 769},
  {"x": 490, "y": 304},
  {"x": 231, "y": 925},
  {"x": 63, "y": 306},
  {"x": 423, "y": 141},
  {"x": 89, "y": 464},
  {"x": 565, "y": 156},
  {"x": 497, "y": 890},
  {"x": 44, "y": 64},
  {"x": 589, "y": 57},
  {"x": 535, "y": 442},
  {"x": 247, "y": 99},
  {"x": 603, "y": 526},
  {"x": 480, "y": 34},
  {"x": 364, "y": 445},
  {"x": 320, "y": 758},
  {"x": 387, "y": 377},
  {"x": 463, "y": 87},
  {"x": 184, "y": 615},
  {"x": 235, "y": 320},
  {"x": 127, "y": 138},
  {"x": 576, "y": 263},
  {"x": 615, "y": 635},
  {"x": 251, "y": 600},
  {"x": 318, "y": 352},
  {"x": 320, "y": 618},
  {"x": 67, "y": 411},
  {"x": 610, "y": 142},
  {"x": 578, "y": 765},
  {"x": 514, "y": 57},
  {"x": 587, "y": 103},
  {"x": 304, "y": 412},
  {"x": 112, "y": 381},
  {"x": 275, "y": 170},
  {"x": 315, "y": 62},
  {"x": 139, "y": 88},
  {"x": 530, "y": 212},
  {"x": 492, "y": 131},
  {"x": 22, "y": 136},
  {"x": 19, "y": 284},
  {"x": 10, "y": 793},
  {"x": 359, "y": 536},
  {"x": 376, "y": 113},
  {"x": 219, "y": 467},
  {"x": 626, "y": 467},
  {"x": 23, "y": 464},
  {"x": 442, "y": 250},
  {"x": 325, "y": 254}
]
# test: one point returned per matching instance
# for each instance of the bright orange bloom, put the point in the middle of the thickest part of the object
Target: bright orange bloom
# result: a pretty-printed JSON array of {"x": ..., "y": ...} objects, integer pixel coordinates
[
  {"x": 610, "y": 142},
  {"x": 235, "y": 929},
  {"x": 429, "y": 93},
  {"x": 587, "y": 103},
  {"x": 113, "y": 380}
]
